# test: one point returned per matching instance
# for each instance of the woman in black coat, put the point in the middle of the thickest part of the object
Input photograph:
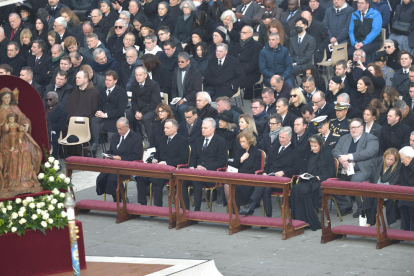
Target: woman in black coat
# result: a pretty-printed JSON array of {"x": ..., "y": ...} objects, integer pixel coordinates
[
  {"x": 41, "y": 29},
  {"x": 296, "y": 102},
  {"x": 206, "y": 24},
  {"x": 382, "y": 111},
  {"x": 158, "y": 73},
  {"x": 365, "y": 89},
  {"x": 370, "y": 126},
  {"x": 217, "y": 9},
  {"x": 233, "y": 27},
  {"x": 184, "y": 23},
  {"x": 335, "y": 88},
  {"x": 247, "y": 159},
  {"x": 306, "y": 194},
  {"x": 226, "y": 128},
  {"x": 407, "y": 179},
  {"x": 376, "y": 75},
  {"x": 200, "y": 58},
  {"x": 386, "y": 171},
  {"x": 163, "y": 112},
  {"x": 392, "y": 50},
  {"x": 163, "y": 18}
]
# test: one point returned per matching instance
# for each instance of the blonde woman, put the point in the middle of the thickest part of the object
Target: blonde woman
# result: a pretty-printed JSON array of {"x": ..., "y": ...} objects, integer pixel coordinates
[
  {"x": 296, "y": 101},
  {"x": 26, "y": 43}
]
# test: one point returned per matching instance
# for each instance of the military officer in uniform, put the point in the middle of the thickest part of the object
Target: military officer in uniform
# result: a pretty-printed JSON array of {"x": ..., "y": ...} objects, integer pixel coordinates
[
  {"x": 322, "y": 124},
  {"x": 340, "y": 125},
  {"x": 381, "y": 61}
]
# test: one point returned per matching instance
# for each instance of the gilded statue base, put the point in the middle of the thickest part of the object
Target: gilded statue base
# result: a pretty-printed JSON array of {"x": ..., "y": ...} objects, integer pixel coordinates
[{"x": 32, "y": 190}]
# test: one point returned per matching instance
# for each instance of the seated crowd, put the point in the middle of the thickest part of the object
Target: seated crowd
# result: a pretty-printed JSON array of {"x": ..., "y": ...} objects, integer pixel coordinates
[{"x": 151, "y": 70}]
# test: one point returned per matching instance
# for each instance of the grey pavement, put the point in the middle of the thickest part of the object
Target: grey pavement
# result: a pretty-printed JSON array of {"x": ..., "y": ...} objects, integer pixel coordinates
[{"x": 251, "y": 252}]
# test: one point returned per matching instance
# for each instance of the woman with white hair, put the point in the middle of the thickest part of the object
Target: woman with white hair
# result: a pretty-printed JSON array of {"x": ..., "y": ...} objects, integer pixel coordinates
[
  {"x": 407, "y": 179},
  {"x": 233, "y": 27},
  {"x": 184, "y": 23}
]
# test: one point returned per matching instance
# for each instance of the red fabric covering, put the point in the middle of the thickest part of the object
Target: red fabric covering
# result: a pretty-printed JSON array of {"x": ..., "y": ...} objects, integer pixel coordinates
[
  {"x": 208, "y": 216},
  {"x": 99, "y": 205},
  {"x": 356, "y": 230},
  {"x": 31, "y": 104},
  {"x": 119, "y": 164},
  {"x": 241, "y": 176},
  {"x": 36, "y": 254},
  {"x": 26, "y": 195},
  {"x": 269, "y": 222},
  {"x": 395, "y": 234},
  {"x": 368, "y": 186},
  {"x": 153, "y": 211}
]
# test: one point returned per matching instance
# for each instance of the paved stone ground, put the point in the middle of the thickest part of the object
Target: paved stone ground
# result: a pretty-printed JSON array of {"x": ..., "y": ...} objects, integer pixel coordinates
[{"x": 251, "y": 252}]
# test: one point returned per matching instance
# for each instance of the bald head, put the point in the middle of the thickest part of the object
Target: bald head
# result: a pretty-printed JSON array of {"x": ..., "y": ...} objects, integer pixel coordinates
[{"x": 307, "y": 15}]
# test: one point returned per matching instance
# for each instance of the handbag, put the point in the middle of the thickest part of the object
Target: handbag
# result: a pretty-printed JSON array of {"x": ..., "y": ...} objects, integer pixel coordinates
[{"x": 400, "y": 28}]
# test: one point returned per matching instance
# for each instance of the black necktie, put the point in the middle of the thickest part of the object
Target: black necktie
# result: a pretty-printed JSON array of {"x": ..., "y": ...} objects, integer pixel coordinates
[
  {"x": 299, "y": 42},
  {"x": 363, "y": 16},
  {"x": 140, "y": 85},
  {"x": 205, "y": 144},
  {"x": 282, "y": 149},
  {"x": 36, "y": 61},
  {"x": 337, "y": 10},
  {"x": 220, "y": 62},
  {"x": 242, "y": 10},
  {"x": 168, "y": 140},
  {"x": 120, "y": 142},
  {"x": 108, "y": 92},
  {"x": 405, "y": 72}
]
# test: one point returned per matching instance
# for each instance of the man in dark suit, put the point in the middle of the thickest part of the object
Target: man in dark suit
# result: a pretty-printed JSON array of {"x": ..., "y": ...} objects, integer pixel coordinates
[
  {"x": 407, "y": 114},
  {"x": 270, "y": 8},
  {"x": 209, "y": 153},
  {"x": 204, "y": 108},
  {"x": 121, "y": 52},
  {"x": 394, "y": 134},
  {"x": 410, "y": 101},
  {"x": 40, "y": 63},
  {"x": 320, "y": 105},
  {"x": 125, "y": 145},
  {"x": 13, "y": 29},
  {"x": 102, "y": 63},
  {"x": 13, "y": 58},
  {"x": 281, "y": 87},
  {"x": 191, "y": 127},
  {"x": 61, "y": 87},
  {"x": 401, "y": 80},
  {"x": 260, "y": 116},
  {"x": 116, "y": 41},
  {"x": 224, "y": 74},
  {"x": 268, "y": 97},
  {"x": 321, "y": 123},
  {"x": 319, "y": 32},
  {"x": 112, "y": 104},
  {"x": 60, "y": 26},
  {"x": 145, "y": 98},
  {"x": 248, "y": 56},
  {"x": 172, "y": 150},
  {"x": 93, "y": 43},
  {"x": 127, "y": 68},
  {"x": 291, "y": 15},
  {"x": 54, "y": 8},
  {"x": 100, "y": 25},
  {"x": 87, "y": 29},
  {"x": 282, "y": 106},
  {"x": 57, "y": 117},
  {"x": 309, "y": 88},
  {"x": 316, "y": 11},
  {"x": 26, "y": 74},
  {"x": 352, "y": 111},
  {"x": 65, "y": 64},
  {"x": 271, "y": 135},
  {"x": 246, "y": 11},
  {"x": 300, "y": 136},
  {"x": 223, "y": 104},
  {"x": 186, "y": 82},
  {"x": 280, "y": 162},
  {"x": 301, "y": 47}
]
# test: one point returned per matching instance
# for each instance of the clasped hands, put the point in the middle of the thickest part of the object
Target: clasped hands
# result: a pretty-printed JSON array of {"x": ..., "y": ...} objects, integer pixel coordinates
[{"x": 155, "y": 161}]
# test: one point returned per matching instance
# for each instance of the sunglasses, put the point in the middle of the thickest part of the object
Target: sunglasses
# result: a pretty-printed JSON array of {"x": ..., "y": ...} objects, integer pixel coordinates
[
  {"x": 180, "y": 61},
  {"x": 293, "y": 96},
  {"x": 387, "y": 47},
  {"x": 118, "y": 27},
  {"x": 49, "y": 100}
]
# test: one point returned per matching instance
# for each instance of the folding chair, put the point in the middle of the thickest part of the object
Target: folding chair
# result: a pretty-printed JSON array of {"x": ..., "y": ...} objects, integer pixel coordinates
[
  {"x": 339, "y": 52},
  {"x": 78, "y": 126}
]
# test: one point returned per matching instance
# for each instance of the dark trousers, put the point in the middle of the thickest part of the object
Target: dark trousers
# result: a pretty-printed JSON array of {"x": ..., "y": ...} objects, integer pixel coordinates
[
  {"x": 369, "y": 49},
  {"x": 344, "y": 202},
  {"x": 96, "y": 127},
  {"x": 197, "y": 191},
  {"x": 146, "y": 120},
  {"x": 407, "y": 218},
  {"x": 264, "y": 193},
  {"x": 157, "y": 188}
]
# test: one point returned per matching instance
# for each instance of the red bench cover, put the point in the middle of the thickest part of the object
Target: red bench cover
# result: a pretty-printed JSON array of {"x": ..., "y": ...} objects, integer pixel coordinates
[
  {"x": 395, "y": 234},
  {"x": 99, "y": 205},
  {"x": 368, "y": 186},
  {"x": 270, "y": 222},
  {"x": 241, "y": 176},
  {"x": 208, "y": 216},
  {"x": 355, "y": 230},
  {"x": 119, "y": 164}
]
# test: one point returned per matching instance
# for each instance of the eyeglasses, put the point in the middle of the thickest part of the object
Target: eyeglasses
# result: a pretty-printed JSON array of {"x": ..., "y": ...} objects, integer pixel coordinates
[
  {"x": 387, "y": 47},
  {"x": 189, "y": 117},
  {"x": 358, "y": 56},
  {"x": 49, "y": 100},
  {"x": 317, "y": 101},
  {"x": 272, "y": 124},
  {"x": 180, "y": 61},
  {"x": 255, "y": 107},
  {"x": 293, "y": 96},
  {"x": 161, "y": 111},
  {"x": 355, "y": 128},
  {"x": 118, "y": 27},
  {"x": 244, "y": 32}
]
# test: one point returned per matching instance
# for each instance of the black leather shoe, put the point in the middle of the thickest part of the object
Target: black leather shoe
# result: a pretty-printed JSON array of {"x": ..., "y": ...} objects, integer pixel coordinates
[
  {"x": 346, "y": 212},
  {"x": 246, "y": 212},
  {"x": 356, "y": 214}
]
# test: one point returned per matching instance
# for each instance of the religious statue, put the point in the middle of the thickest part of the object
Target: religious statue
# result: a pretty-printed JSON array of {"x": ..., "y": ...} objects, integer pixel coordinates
[{"x": 20, "y": 156}]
